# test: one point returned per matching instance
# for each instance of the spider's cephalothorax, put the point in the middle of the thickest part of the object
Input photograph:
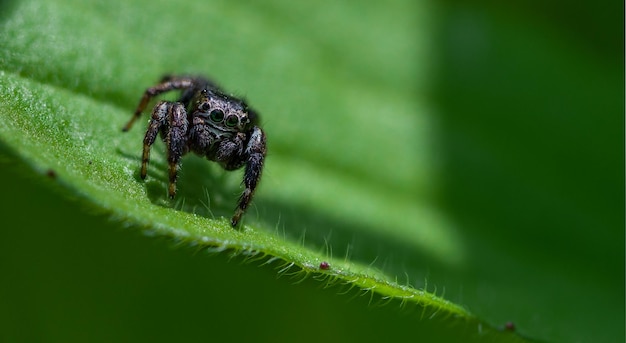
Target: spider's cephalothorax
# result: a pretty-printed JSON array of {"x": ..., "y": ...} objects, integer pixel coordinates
[{"x": 208, "y": 122}]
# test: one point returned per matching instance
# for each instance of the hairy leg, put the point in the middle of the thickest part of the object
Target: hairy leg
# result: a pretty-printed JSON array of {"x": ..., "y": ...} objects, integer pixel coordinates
[
  {"x": 255, "y": 153},
  {"x": 167, "y": 84},
  {"x": 157, "y": 122},
  {"x": 176, "y": 141}
]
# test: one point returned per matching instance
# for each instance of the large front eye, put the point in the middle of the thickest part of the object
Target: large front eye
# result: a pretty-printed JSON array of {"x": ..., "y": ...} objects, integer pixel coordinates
[
  {"x": 232, "y": 121},
  {"x": 216, "y": 115}
]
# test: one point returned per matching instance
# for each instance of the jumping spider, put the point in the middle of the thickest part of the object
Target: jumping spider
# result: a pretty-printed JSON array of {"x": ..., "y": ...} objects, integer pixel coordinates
[{"x": 208, "y": 122}]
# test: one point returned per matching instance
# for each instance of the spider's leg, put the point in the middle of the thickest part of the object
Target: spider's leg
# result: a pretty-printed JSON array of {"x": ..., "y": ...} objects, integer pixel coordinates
[
  {"x": 176, "y": 141},
  {"x": 255, "y": 153},
  {"x": 158, "y": 121},
  {"x": 230, "y": 153},
  {"x": 167, "y": 84}
]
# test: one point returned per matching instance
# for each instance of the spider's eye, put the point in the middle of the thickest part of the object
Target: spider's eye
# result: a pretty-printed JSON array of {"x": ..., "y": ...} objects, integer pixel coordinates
[
  {"x": 204, "y": 106},
  {"x": 232, "y": 121},
  {"x": 216, "y": 115}
]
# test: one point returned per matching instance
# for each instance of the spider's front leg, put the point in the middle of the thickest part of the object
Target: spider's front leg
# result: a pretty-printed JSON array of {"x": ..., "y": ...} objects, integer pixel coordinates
[
  {"x": 255, "y": 156},
  {"x": 170, "y": 119},
  {"x": 167, "y": 84}
]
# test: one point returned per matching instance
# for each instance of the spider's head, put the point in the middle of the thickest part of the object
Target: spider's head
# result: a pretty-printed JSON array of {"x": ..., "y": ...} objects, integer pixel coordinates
[{"x": 224, "y": 112}]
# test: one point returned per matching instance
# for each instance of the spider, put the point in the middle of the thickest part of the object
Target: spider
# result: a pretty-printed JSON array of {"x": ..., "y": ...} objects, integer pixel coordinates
[{"x": 208, "y": 122}]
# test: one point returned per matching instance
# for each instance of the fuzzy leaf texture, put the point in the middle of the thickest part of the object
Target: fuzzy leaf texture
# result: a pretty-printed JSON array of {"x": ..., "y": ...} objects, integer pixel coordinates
[{"x": 411, "y": 190}]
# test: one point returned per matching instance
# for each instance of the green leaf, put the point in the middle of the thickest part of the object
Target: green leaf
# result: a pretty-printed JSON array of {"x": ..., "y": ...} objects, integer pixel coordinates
[{"x": 354, "y": 175}]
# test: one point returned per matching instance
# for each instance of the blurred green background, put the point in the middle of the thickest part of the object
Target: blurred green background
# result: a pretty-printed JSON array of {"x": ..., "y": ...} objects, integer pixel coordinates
[
  {"x": 532, "y": 121},
  {"x": 525, "y": 134}
]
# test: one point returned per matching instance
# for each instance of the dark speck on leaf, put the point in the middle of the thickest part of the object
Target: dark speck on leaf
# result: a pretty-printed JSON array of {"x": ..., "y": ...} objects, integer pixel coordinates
[{"x": 51, "y": 174}]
